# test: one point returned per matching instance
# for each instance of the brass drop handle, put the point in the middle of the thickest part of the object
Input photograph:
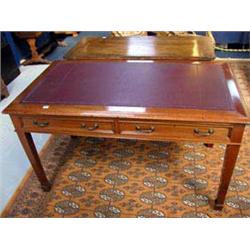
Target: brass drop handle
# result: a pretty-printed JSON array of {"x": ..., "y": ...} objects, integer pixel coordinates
[
  {"x": 143, "y": 130},
  {"x": 41, "y": 124},
  {"x": 90, "y": 128},
  {"x": 203, "y": 133}
]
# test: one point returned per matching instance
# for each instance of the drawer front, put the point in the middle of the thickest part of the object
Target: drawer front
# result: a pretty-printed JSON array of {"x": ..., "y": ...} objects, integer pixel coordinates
[
  {"x": 87, "y": 126},
  {"x": 174, "y": 131}
]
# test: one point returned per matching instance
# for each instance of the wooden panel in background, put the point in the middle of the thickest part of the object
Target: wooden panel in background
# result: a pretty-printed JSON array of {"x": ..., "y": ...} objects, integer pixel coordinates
[{"x": 143, "y": 47}]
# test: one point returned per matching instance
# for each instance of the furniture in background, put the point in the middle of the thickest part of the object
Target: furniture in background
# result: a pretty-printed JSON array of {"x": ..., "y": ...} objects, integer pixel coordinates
[
  {"x": 223, "y": 41},
  {"x": 31, "y": 38},
  {"x": 237, "y": 42},
  {"x": 173, "y": 33},
  {"x": 128, "y": 33},
  {"x": 4, "y": 90},
  {"x": 111, "y": 104},
  {"x": 230, "y": 38},
  {"x": 144, "y": 47},
  {"x": 73, "y": 33},
  {"x": 152, "y": 33},
  {"x": 62, "y": 43},
  {"x": 9, "y": 67},
  {"x": 230, "y": 42}
]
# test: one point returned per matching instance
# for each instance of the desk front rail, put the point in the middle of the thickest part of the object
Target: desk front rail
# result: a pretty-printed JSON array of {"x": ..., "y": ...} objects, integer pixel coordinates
[{"x": 132, "y": 129}]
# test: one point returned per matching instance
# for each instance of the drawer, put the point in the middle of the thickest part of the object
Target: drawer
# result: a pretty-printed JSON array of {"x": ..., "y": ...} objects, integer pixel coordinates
[
  {"x": 152, "y": 130},
  {"x": 87, "y": 126}
]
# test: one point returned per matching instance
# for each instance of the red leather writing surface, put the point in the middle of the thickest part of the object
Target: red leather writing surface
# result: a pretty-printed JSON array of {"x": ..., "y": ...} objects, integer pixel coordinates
[{"x": 167, "y": 85}]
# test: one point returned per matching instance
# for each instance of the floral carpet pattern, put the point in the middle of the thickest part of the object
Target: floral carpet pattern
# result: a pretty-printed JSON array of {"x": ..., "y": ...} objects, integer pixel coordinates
[{"x": 95, "y": 177}]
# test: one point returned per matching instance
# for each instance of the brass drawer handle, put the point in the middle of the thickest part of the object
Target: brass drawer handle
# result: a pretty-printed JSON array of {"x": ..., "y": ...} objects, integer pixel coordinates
[
  {"x": 41, "y": 124},
  {"x": 200, "y": 133},
  {"x": 142, "y": 130},
  {"x": 90, "y": 128}
]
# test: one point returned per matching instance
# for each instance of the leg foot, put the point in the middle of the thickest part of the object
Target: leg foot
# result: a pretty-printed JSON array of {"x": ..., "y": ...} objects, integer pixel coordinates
[
  {"x": 36, "y": 61},
  {"x": 218, "y": 206}
]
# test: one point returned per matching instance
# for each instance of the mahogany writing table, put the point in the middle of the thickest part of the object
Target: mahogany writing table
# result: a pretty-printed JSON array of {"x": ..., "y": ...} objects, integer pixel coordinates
[{"x": 145, "y": 100}]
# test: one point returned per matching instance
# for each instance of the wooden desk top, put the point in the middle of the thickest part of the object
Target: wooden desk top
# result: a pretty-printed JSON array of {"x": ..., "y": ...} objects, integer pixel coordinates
[
  {"x": 184, "y": 91},
  {"x": 181, "y": 48},
  {"x": 135, "y": 84}
]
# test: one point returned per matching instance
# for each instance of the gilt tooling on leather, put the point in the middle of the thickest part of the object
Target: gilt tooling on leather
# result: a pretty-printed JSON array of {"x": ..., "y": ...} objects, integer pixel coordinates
[{"x": 137, "y": 84}]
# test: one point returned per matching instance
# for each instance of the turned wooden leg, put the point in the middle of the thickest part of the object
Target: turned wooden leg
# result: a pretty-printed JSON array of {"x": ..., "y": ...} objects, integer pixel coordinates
[
  {"x": 35, "y": 57},
  {"x": 227, "y": 171},
  {"x": 32, "y": 44},
  {"x": 30, "y": 149}
]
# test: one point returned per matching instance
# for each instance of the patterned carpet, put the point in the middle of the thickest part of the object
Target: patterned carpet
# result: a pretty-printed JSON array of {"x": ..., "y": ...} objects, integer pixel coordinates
[{"x": 129, "y": 178}]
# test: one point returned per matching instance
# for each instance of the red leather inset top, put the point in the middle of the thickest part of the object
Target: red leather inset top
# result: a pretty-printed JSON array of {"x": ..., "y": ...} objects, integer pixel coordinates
[{"x": 158, "y": 84}]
